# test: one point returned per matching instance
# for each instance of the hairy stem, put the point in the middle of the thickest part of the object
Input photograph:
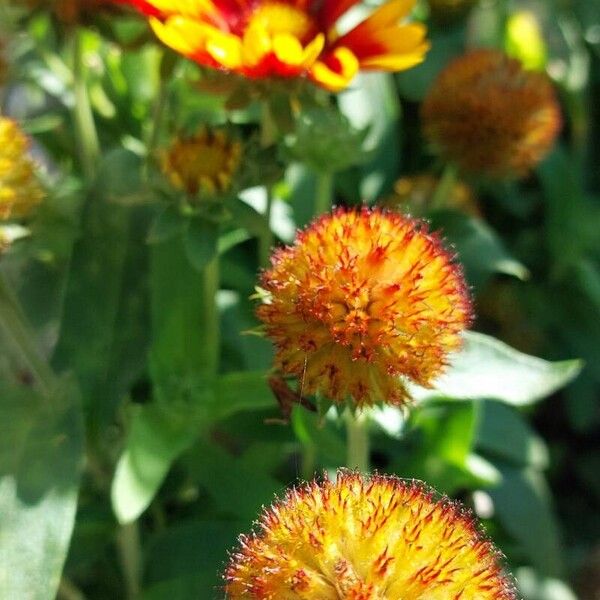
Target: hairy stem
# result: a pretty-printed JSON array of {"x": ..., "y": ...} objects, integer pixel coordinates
[
  {"x": 324, "y": 193},
  {"x": 357, "y": 442},
  {"x": 130, "y": 554}
]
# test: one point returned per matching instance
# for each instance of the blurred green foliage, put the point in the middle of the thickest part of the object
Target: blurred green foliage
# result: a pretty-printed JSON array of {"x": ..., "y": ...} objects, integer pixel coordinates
[{"x": 154, "y": 444}]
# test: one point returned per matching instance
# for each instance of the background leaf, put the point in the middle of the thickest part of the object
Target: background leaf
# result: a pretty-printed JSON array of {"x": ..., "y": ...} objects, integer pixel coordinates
[
  {"x": 488, "y": 368},
  {"x": 41, "y": 451}
]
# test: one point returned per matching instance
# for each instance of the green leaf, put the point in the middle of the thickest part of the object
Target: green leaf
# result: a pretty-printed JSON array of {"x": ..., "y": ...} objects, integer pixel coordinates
[
  {"x": 105, "y": 308},
  {"x": 533, "y": 586},
  {"x": 504, "y": 433},
  {"x": 161, "y": 431},
  {"x": 479, "y": 248},
  {"x": 41, "y": 451},
  {"x": 237, "y": 486},
  {"x": 186, "y": 560},
  {"x": 244, "y": 390},
  {"x": 167, "y": 224},
  {"x": 522, "y": 504},
  {"x": 201, "y": 242},
  {"x": 488, "y": 368},
  {"x": 445, "y": 434},
  {"x": 158, "y": 435}
]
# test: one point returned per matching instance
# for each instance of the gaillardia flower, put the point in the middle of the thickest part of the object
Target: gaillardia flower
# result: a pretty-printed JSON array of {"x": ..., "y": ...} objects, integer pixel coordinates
[
  {"x": 20, "y": 191},
  {"x": 203, "y": 164},
  {"x": 288, "y": 38},
  {"x": 359, "y": 538},
  {"x": 490, "y": 116},
  {"x": 363, "y": 301}
]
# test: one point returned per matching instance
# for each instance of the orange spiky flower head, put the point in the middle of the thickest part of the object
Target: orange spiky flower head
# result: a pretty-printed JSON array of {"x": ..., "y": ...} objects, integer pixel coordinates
[
  {"x": 490, "y": 116},
  {"x": 266, "y": 39},
  {"x": 366, "y": 538},
  {"x": 203, "y": 164},
  {"x": 362, "y": 302},
  {"x": 20, "y": 190}
]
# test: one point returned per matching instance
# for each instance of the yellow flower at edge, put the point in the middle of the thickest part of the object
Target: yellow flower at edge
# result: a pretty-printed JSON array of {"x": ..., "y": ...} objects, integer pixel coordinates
[
  {"x": 202, "y": 164},
  {"x": 488, "y": 115},
  {"x": 288, "y": 38},
  {"x": 20, "y": 191},
  {"x": 364, "y": 301},
  {"x": 366, "y": 538}
]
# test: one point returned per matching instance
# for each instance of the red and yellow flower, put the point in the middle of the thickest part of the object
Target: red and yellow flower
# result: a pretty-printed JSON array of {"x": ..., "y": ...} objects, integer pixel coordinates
[
  {"x": 288, "y": 38},
  {"x": 359, "y": 538},
  {"x": 488, "y": 115},
  {"x": 362, "y": 302}
]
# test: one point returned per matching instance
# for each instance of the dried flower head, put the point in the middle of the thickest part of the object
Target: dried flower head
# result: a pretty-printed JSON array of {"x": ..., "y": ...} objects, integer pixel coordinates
[
  {"x": 414, "y": 195},
  {"x": 363, "y": 301},
  {"x": 288, "y": 38},
  {"x": 366, "y": 538},
  {"x": 203, "y": 164},
  {"x": 490, "y": 116},
  {"x": 20, "y": 191}
]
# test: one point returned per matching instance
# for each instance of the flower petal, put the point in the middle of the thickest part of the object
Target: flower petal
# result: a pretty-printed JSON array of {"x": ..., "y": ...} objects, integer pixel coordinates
[
  {"x": 313, "y": 50},
  {"x": 288, "y": 49},
  {"x": 256, "y": 45},
  {"x": 336, "y": 70},
  {"x": 180, "y": 33},
  {"x": 225, "y": 49},
  {"x": 385, "y": 17}
]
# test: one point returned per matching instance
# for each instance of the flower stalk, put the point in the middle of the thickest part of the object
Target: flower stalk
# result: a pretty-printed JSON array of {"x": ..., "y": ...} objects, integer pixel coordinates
[
  {"x": 85, "y": 126},
  {"x": 324, "y": 193},
  {"x": 357, "y": 442}
]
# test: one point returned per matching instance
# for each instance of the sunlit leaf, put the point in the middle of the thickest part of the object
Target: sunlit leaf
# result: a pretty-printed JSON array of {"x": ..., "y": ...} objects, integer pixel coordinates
[{"x": 488, "y": 368}]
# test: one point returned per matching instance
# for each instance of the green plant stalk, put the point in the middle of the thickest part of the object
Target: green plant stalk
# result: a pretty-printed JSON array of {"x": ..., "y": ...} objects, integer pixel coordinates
[
  {"x": 85, "y": 127},
  {"x": 128, "y": 543},
  {"x": 444, "y": 187},
  {"x": 207, "y": 304},
  {"x": 357, "y": 442},
  {"x": 324, "y": 193},
  {"x": 21, "y": 342},
  {"x": 265, "y": 241}
]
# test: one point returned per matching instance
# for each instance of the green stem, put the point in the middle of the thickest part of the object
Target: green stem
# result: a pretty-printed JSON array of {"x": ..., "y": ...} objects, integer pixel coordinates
[
  {"x": 265, "y": 241},
  {"x": 21, "y": 342},
  {"x": 158, "y": 110},
  {"x": 211, "y": 339},
  {"x": 444, "y": 187},
  {"x": 128, "y": 543},
  {"x": 357, "y": 442},
  {"x": 324, "y": 193},
  {"x": 87, "y": 135}
]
